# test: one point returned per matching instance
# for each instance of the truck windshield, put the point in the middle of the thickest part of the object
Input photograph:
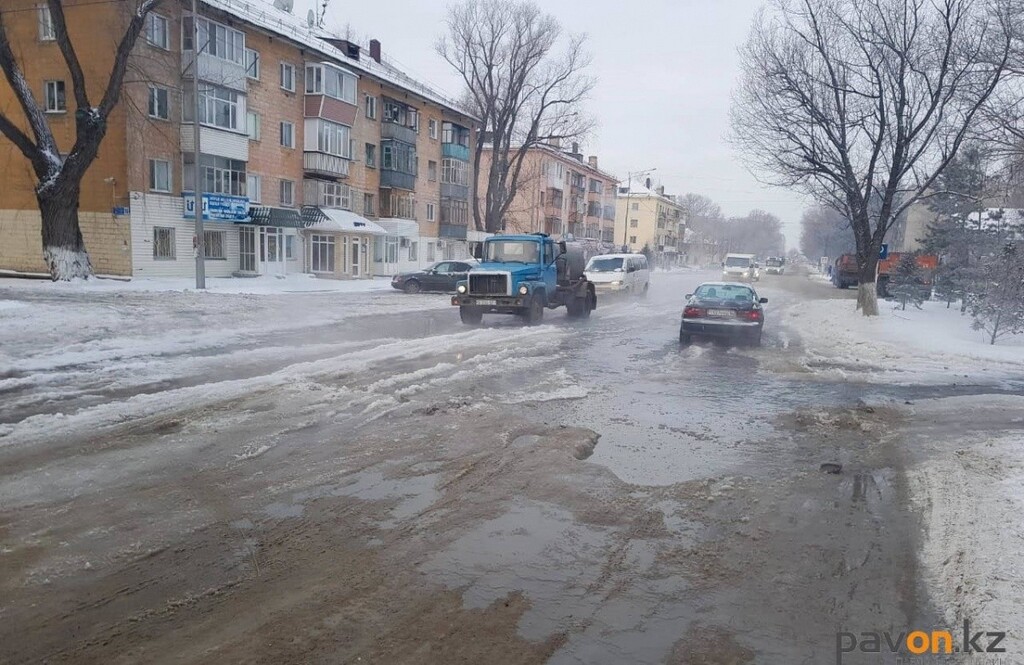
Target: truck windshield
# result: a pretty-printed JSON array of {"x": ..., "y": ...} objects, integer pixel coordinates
[
  {"x": 512, "y": 251},
  {"x": 737, "y": 262},
  {"x": 598, "y": 264}
]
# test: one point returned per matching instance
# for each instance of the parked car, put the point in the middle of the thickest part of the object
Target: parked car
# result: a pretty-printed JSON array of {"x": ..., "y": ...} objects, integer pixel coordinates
[
  {"x": 741, "y": 267},
  {"x": 723, "y": 310},
  {"x": 619, "y": 273},
  {"x": 441, "y": 276}
]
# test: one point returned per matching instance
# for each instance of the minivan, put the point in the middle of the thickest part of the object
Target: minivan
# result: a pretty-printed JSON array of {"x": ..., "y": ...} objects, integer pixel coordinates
[
  {"x": 619, "y": 273},
  {"x": 740, "y": 268}
]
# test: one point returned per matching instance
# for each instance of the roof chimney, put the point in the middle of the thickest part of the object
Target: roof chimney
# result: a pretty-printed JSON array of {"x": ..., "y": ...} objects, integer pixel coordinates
[
  {"x": 647, "y": 183},
  {"x": 375, "y": 49},
  {"x": 660, "y": 190},
  {"x": 592, "y": 160}
]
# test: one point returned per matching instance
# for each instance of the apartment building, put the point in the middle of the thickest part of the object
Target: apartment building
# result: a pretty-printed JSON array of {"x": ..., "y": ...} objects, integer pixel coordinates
[
  {"x": 560, "y": 193},
  {"x": 647, "y": 218},
  {"x": 316, "y": 155}
]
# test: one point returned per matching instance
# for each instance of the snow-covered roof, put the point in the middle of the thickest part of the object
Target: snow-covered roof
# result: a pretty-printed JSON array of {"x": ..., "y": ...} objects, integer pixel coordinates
[
  {"x": 264, "y": 15},
  {"x": 344, "y": 221},
  {"x": 994, "y": 218},
  {"x": 635, "y": 191}
]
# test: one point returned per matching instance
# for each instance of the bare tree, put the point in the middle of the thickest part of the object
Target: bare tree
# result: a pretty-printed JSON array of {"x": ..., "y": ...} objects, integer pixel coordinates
[
  {"x": 59, "y": 179},
  {"x": 824, "y": 232},
  {"x": 862, "y": 103},
  {"x": 522, "y": 91}
]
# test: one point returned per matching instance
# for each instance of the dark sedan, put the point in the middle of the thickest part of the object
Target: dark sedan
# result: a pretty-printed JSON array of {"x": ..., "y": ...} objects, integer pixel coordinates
[
  {"x": 442, "y": 276},
  {"x": 725, "y": 311}
]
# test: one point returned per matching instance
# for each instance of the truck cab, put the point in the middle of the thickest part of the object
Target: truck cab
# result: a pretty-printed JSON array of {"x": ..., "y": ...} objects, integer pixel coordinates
[{"x": 524, "y": 274}]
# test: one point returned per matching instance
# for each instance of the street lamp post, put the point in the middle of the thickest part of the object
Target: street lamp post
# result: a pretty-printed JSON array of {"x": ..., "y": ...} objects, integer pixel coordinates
[{"x": 629, "y": 193}]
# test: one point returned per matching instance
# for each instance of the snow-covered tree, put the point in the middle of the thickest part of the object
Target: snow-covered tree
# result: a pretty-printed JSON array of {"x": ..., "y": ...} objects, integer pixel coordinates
[
  {"x": 998, "y": 306},
  {"x": 906, "y": 284},
  {"x": 59, "y": 175}
]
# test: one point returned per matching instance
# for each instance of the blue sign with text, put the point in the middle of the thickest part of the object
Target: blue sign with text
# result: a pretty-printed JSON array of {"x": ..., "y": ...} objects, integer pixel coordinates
[
  {"x": 218, "y": 207},
  {"x": 883, "y": 253}
]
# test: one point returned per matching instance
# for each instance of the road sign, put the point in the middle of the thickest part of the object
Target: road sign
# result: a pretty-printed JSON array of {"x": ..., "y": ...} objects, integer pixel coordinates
[{"x": 883, "y": 253}]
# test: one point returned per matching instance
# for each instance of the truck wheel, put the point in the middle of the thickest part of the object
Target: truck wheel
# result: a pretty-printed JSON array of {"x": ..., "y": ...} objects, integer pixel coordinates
[
  {"x": 643, "y": 294},
  {"x": 534, "y": 312},
  {"x": 574, "y": 308},
  {"x": 471, "y": 316},
  {"x": 589, "y": 305}
]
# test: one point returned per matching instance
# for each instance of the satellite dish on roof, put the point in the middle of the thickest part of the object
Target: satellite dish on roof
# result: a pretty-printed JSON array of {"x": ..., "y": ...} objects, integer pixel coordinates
[
  {"x": 310, "y": 18},
  {"x": 285, "y": 5}
]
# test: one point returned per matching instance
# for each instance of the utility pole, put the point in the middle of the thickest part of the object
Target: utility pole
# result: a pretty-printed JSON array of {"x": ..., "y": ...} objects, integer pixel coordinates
[
  {"x": 629, "y": 193},
  {"x": 200, "y": 243}
]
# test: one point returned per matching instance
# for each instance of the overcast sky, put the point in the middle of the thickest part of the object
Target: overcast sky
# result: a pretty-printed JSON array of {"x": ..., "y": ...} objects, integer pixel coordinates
[{"x": 664, "y": 69}]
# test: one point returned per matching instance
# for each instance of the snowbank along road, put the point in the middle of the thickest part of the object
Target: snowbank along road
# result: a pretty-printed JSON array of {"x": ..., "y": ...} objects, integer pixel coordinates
[{"x": 341, "y": 477}]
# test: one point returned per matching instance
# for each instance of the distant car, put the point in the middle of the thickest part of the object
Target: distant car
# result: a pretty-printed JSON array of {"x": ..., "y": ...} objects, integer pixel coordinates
[
  {"x": 441, "y": 276},
  {"x": 619, "y": 273},
  {"x": 775, "y": 265},
  {"x": 740, "y": 267},
  {"x": 723, "y": 310}
]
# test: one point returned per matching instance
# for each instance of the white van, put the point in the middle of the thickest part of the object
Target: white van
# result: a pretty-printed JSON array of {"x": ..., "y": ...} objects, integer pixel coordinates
[
  {"x": 619, "y": 273},
  {"x": 740, "y": 268}
]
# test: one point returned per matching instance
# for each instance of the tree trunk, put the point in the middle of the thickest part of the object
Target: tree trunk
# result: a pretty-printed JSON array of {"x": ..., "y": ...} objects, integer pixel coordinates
[{"x": 63, "y": 247}]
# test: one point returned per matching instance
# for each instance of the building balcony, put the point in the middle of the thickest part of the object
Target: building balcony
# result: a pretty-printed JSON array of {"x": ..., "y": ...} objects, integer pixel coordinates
[
  {"x": 215, "y": 141},
  {"x": 453, "y": 191},
  {"x": 215, "y": 70},
  {"x": 455, "y": 151},
  {"x": 320, "y": 163},
  {"x": 397, "y": 179},
  {"x": 392, "y": 130},
  {"x": 457, "y": 231}
]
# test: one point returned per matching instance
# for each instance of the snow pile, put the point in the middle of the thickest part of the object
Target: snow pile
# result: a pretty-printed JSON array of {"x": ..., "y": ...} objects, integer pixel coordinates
[
  {"x": 970, "y": 500},
  {"x": 929, "y": 345},
  {"x": 263, "y": 285}
]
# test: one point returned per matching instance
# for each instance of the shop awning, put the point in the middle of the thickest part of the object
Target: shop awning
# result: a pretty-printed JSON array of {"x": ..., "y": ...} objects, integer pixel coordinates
[
  {"x": 333, "y": 220},
  {"x": 283, "y": 217}
]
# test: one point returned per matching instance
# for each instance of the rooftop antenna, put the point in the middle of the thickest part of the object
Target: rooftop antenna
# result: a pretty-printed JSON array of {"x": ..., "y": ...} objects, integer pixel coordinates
[
  {"x": 310, "y": 19},
  {"x": 285, "y": 5}
]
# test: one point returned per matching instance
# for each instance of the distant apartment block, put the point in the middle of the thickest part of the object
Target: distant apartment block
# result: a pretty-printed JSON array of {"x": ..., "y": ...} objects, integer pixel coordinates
[{"x": 647, "y": 218}]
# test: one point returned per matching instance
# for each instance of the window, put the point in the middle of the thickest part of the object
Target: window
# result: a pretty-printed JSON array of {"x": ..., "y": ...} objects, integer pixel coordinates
[
  {"x": 332, "y": 138},
  {"x": 217, "y": 106},
  {"x": 287, "y": 134},
  {"x": 431, "y": 170},
  {"x": 400, "y": 114},
  {"x": 368, "y": 208},
  {"x": 432, "y": 128},
  {"x": 159, "y": 175},
  {"x": 402, "y": 206},
  {"x": 430, "y": 212},
  {"x": 46, "y": 29},
  {"x": 157, "y": 32},
  {"x": 56, "y": 102},
  {"x": 159, "y": 106},
  {"x": 215, "y": 40},
  {"x": 452, "y": 133},
  {"x": 252, "y": 125},
  {"x": 595, "y": 186},
  {"x": 289, "y": 247},
  {"x": 454, "y": 211},
  {"x": 454, "y": 172},
  {"x": 632, "y": 239},
  {"x": 287, "y": 193},
  {"x": 371, "y": 155},
  {"x": 633, "y": 223},
  {"x": 336, "y": 83},
  {"x": 335, "y": 195},
  {"x": 213, "y": 245},
  {"x": 413, "y": 250},
  {"x": 322, "y": 253},
  {"x": 163, "y": 243},
  {"x": 252, "y": 64},
  {"x": 220, "y": 175},
  {"x": 430, "y": 251},
  {"x": 255, "y": 184},
  {"x": 288, "y": 77},
  {"x": 371, "y": 107},
  {"x": 398, "y": 156},
  {"x": 636, "y": 206}
]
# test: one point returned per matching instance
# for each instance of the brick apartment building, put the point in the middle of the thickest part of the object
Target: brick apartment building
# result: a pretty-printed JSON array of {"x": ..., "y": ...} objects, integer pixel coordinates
[
  {"x": 559, "y": 194},
  {"x": 649, "y": 218},
  {"x": 316, "y": 154}
]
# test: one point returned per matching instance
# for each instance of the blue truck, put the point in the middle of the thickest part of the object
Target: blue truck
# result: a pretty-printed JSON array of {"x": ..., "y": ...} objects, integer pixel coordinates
[{"x": 524, "y": 275}]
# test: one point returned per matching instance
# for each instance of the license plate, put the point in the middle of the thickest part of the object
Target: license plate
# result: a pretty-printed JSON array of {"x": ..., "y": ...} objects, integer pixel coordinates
[
  {"x": 484, "y": 301},
  {"x": 722, "y": 313}
]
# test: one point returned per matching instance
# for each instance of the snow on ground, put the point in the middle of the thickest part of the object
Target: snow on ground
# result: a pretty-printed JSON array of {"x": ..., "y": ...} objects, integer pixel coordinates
[
  {"x": 929, "y": 345},
  {"x": 266, "y": 284},
  {"x": 971, "y": 498}
]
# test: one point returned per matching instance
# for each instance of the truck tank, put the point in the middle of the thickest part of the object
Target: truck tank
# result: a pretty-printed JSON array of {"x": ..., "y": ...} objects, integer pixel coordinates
[{"x": 572, "y": 263}]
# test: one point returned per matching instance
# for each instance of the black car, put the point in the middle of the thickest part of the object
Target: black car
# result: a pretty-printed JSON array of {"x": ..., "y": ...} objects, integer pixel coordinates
[
  {"x": 723, "y": 310},
  {"x": 442, "y": 276}
]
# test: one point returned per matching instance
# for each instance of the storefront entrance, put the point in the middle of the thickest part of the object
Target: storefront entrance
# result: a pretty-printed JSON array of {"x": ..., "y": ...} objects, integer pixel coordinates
[{"x": 272, "y": 251}]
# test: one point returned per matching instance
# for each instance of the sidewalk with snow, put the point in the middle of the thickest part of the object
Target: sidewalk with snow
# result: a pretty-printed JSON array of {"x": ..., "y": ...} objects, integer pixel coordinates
[
  {"x": 265, "y": 284},
  {"x": 930, "y": 345}
]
